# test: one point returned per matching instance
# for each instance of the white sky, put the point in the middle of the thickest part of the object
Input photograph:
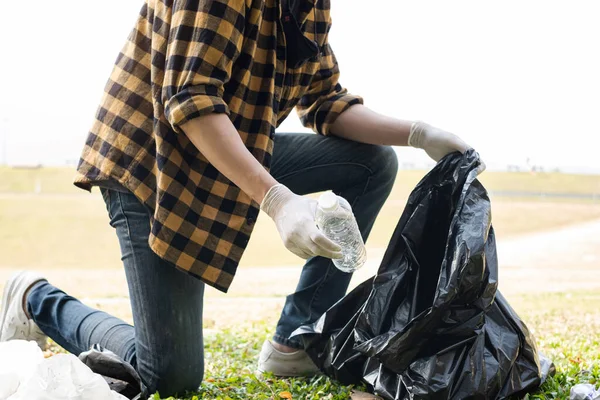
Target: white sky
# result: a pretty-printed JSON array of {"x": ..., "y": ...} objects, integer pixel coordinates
[{"x": 516, "y": 79}]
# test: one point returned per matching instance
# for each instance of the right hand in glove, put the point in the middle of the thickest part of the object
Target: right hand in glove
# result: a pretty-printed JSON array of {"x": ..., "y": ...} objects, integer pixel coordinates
[{"x": 294, "y": 217}]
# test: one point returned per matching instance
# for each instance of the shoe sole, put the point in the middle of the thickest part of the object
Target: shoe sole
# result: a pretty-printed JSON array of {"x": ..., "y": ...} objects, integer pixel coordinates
[{"x": 261, "y": 374}]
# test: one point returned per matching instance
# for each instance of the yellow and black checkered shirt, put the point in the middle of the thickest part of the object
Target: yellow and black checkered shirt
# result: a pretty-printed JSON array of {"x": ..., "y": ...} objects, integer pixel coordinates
[{"x": 186, "y": 59}]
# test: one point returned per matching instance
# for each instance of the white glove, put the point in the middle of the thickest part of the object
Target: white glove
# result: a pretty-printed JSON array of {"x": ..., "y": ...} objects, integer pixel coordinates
[
  {"x": 436, "y": 142},
  {"x": 294, "y": 217}
]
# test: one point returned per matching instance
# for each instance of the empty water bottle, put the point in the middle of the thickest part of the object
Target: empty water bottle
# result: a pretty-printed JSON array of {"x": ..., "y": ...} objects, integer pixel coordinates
[{"x": 336, "y": 221}]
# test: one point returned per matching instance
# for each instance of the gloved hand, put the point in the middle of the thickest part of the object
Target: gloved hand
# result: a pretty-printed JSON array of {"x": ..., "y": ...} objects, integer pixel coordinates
[
  {"x": 436, "y": 142},
  {"x": 294, "y": 217}
]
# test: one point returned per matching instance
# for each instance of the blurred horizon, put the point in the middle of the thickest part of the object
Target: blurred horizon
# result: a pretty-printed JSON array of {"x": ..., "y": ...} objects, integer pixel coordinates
[{"x": 517, "y": 80}]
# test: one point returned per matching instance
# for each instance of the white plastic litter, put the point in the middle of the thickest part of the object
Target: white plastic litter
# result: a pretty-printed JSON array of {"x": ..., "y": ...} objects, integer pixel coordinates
[
  {"x": 18, "y": 360},
  {"x": 584, "y": 391},
  {"x": 28, "y": 375}
]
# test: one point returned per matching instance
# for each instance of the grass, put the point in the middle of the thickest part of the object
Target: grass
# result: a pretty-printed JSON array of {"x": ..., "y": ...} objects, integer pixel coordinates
[
  {"x": 62, "y": 225},
  {"x": 51, "y": 232},
  {"x": 59, "y": 180},
  {"x": 44, "y": 180},
  {"x": 230, "y": 361},
  {"x": 566, "y": 327}
]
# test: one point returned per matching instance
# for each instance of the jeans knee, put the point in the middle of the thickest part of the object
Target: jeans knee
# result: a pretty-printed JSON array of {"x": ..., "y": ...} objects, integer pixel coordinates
[
  {"x": 385, "y": 165},
  {"x": 175, "y": 379}
]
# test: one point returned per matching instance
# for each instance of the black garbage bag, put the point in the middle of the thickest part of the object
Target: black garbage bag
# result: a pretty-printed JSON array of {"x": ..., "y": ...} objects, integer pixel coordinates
[
  {"x": 119, "y": 374},
  {"x": 431, "y": 324}
]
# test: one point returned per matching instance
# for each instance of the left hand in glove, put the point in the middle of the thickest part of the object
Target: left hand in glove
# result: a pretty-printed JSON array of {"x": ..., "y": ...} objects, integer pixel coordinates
[{"x": 436, "y": 142}]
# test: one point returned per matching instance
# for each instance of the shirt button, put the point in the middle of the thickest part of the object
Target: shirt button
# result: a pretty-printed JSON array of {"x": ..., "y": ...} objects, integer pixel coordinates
[{"x": 250, "y": 221}]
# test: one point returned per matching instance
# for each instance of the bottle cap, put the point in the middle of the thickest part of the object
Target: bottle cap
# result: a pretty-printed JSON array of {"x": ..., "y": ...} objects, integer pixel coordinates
[{"x": 328, "y": 201}]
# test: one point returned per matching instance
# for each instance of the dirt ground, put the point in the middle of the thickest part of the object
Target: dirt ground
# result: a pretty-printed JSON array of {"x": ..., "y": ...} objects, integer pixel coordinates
[{"x": 560, "y": 260}]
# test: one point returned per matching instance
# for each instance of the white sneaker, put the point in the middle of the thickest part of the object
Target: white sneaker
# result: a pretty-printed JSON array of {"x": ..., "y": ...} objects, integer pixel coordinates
[
  {"x": 14, "y": 322},
  {"x": 297, "y": 363}
]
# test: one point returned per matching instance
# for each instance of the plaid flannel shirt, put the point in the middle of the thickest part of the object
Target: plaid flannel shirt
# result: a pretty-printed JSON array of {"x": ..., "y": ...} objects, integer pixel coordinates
[{"x": 186, "y": 59}]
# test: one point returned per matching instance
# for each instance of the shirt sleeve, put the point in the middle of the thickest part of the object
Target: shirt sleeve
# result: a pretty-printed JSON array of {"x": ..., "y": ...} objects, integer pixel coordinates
[
  {"x": 325, "y": 99},
  {"x": 205, "y": 38}
]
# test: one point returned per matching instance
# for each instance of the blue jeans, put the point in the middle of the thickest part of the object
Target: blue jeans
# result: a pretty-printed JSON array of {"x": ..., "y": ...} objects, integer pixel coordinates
[{"x": 165, "y": 344}]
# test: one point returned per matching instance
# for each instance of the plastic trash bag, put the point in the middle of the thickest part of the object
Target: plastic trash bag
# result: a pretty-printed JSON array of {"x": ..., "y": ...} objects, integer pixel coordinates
[
  {"x": 584, "y": 391},
  {"x": 431, "y": 324},
  {"x": 120, "y": 375},
  {"x": 63, "y": 377},
  {"x": 60, "y": 377},
  {"x": 18, "y": 360}
]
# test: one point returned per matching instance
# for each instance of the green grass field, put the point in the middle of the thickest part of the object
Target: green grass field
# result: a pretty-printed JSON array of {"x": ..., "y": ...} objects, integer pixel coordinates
[
  {"x": 46, "y": 223},
  {"x": 58, "y": 180},
  {"x": 570, "y": 339},
  {"x": 65, "y": 227},
  {"x": 566, "y": 327}
]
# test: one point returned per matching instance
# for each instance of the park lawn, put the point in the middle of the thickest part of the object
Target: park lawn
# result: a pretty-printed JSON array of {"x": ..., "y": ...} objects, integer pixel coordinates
[
  {"x": 62, "y": 227},
  {"x": 566, "y": 327},
  {"x": 48, "y": 231},
  {"x": 59, "y": 180}
]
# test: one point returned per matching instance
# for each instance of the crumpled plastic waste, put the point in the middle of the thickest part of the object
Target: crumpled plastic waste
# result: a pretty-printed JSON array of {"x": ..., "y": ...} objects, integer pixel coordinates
[
  {"x": 431, "y": 324},
  {"x": 25, "y": 374},
  {"x": 18, "y": 359},
  {"x": 584, "y": 391},
  {"x": 120, "y": 375}
]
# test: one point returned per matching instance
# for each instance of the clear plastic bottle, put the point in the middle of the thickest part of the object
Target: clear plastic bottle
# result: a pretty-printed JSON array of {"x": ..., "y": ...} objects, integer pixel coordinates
[{"x": 336, "y": 221}]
